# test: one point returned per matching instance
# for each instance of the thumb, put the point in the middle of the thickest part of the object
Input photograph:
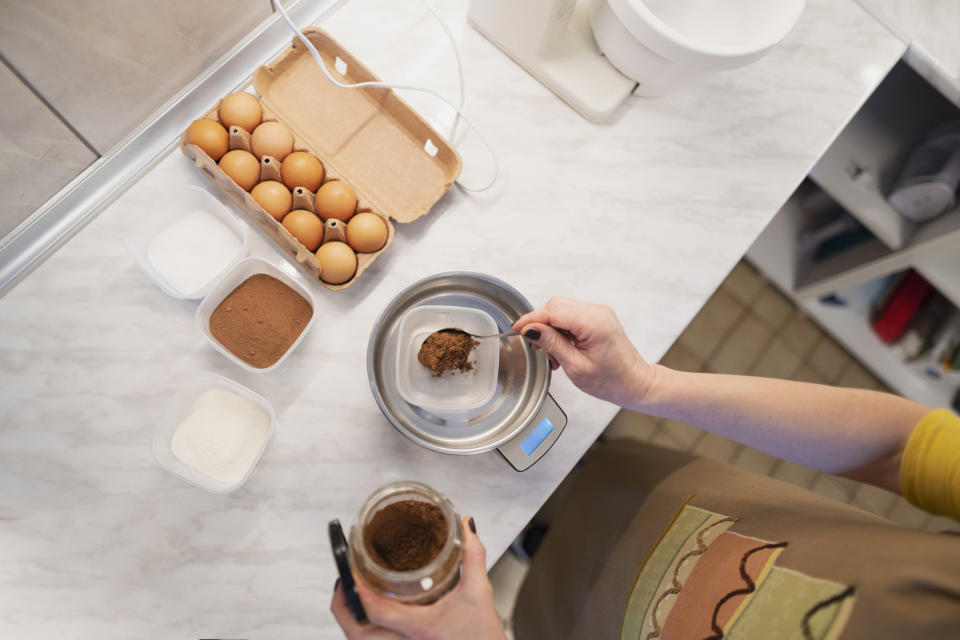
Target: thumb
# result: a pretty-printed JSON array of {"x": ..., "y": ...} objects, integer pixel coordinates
[
  {"x": 474, "y": 558},
  {"x": 553, "y": 342}
]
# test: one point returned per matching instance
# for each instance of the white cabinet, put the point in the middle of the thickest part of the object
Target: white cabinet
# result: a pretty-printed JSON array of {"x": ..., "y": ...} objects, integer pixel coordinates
[{"x": 854, "y": 176}]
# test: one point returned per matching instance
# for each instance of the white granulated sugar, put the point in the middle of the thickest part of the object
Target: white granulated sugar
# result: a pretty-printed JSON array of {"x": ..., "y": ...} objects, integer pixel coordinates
[
  {"x": 193, "y": 250},
  {"x": 221, "y": 435}
]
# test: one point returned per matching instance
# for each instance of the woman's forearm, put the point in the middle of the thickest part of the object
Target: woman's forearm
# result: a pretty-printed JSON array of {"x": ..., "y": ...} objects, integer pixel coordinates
[{"x": 838, "y": 430}]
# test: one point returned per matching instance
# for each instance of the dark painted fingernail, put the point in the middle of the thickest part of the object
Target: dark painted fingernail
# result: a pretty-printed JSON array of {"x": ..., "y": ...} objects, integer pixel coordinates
[
  {"x": 531, "y": 334},
  {"x": 473, "y": 525},
  {"x": 336, "y": 585}
]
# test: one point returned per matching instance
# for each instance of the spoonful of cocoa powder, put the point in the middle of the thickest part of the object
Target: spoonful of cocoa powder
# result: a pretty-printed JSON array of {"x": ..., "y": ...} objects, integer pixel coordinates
[{"x": 446, "y": 350}]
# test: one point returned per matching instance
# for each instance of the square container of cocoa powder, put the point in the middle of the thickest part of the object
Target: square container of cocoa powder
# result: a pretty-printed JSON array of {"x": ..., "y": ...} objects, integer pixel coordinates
[{"x": 237, "y": 276}]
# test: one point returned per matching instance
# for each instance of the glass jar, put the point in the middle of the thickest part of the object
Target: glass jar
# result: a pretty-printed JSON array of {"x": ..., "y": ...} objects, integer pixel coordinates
[{"x": 421, "y": 585}]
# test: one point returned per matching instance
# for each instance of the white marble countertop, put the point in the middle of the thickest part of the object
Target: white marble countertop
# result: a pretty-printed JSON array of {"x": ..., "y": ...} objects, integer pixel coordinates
[
  {"x": 647, "y": 213},
  {"x": 932, "y": 25}
]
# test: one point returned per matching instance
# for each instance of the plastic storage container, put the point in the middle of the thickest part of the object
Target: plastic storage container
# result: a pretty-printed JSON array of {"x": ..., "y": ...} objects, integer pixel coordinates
[
  {"x": 177, "y": 410},
  {"x": 452, "y": 391},
  {"x": 177, "y": 203},
  {"x": 243, "y": 270}
]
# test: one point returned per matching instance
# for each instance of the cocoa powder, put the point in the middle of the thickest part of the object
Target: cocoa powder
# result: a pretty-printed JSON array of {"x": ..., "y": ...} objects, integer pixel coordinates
[
  {"x": 405, "y": 535},
  {"x": 447, "y": 349},
  {"x": 260, "y": 319}
]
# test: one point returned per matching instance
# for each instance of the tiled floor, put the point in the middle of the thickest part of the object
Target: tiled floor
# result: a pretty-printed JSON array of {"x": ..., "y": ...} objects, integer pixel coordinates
[
  {"x": 40, "y": 153},
  {"x": 747, "y": 327},
  {"x": 103, "y": 67}
]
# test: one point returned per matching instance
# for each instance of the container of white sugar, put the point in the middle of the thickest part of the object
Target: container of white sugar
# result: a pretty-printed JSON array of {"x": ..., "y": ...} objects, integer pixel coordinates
[
  {"x": 213, "y": 433},
  {"x": 186, "y": 242}
]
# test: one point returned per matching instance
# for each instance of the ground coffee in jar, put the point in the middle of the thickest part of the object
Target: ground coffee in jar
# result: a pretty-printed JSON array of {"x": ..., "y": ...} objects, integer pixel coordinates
[
  {"x": 406, "y": 535},
  {"x": 406, "y": 543},
  {"x": 260, "y": 319}
]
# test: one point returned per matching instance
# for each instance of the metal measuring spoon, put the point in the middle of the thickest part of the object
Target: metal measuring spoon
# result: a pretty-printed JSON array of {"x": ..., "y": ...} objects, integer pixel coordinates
[{"x": 505, "y": 334}]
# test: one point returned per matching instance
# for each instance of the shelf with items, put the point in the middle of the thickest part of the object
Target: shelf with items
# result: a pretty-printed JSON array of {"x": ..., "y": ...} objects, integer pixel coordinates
[
  {"x": 851, "y": 315},
  {"x": 840, "y": 239},
  {"x": 838, "y": 286},
  {"x": 931, "y": 247},
  {"x": 864, "y": 163},
  {"x": 814, "y": 247}
]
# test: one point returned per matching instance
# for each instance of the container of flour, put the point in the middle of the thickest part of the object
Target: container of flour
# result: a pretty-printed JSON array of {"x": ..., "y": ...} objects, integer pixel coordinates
[{"x": 213, "y": 433}]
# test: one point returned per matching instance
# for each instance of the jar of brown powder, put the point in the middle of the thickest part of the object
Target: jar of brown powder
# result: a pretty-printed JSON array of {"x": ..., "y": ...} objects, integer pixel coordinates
[{"x": 406, "y": 543}]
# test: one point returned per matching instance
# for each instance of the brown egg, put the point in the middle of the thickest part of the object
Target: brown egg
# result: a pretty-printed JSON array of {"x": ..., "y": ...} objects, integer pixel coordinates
[
  {"x": 272, "y": 139},
  {"x": 274, "y": 198},
  {"x": 240, "y": 109},
  {"x": 305, "y": 227},
  {"x": 242, "y": 168},
  {"x": 336, "y": 199},
  {"x": 301, "y": 169},
  {"x": 209, "y": 136},
  {"x": 337, "y": 261},
  {"x": 366, "y": 232}
]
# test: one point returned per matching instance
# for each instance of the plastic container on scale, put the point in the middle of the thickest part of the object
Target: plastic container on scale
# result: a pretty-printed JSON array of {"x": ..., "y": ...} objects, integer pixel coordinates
[{"x": 452, "y": 391}]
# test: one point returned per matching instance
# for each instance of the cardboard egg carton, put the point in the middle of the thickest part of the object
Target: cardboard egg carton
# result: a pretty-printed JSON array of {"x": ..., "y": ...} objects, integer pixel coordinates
[{"x": 369, "y": 138}]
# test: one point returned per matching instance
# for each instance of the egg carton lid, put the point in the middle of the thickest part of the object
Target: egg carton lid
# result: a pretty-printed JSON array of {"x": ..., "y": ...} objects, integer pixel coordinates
[{"x": 370, "y": 136}]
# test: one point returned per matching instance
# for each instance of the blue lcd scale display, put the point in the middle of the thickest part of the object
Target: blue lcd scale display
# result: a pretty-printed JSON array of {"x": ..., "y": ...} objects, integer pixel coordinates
[{"x": 537, "y": 436}]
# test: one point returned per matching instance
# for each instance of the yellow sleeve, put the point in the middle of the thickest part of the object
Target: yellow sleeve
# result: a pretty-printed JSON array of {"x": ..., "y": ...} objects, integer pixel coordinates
[{"x": 930, "y": 468}]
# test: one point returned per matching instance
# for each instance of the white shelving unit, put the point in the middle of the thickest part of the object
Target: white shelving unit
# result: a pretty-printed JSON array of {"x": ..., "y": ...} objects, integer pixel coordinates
[
  {"x": 849, "y": 326},
  {"x": 934, "y": 250},
  {"x": 857, "y": 171},
  {"x": 863, "y": 162}
]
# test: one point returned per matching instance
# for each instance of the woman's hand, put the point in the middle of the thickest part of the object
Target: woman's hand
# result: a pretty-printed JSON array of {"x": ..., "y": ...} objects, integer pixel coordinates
[
  {"x": 466, "y": 612},
  {"x": 588, "y": 341}
]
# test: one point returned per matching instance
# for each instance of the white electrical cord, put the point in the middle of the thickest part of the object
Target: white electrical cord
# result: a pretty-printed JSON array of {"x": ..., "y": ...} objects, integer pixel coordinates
[{"x": 387, "y": 85}]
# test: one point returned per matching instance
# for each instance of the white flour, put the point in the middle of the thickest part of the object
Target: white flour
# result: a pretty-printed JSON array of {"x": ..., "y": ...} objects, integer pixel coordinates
[
  {"x": 193, "y": 250},
  {"x": 221, "y": 435}
]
